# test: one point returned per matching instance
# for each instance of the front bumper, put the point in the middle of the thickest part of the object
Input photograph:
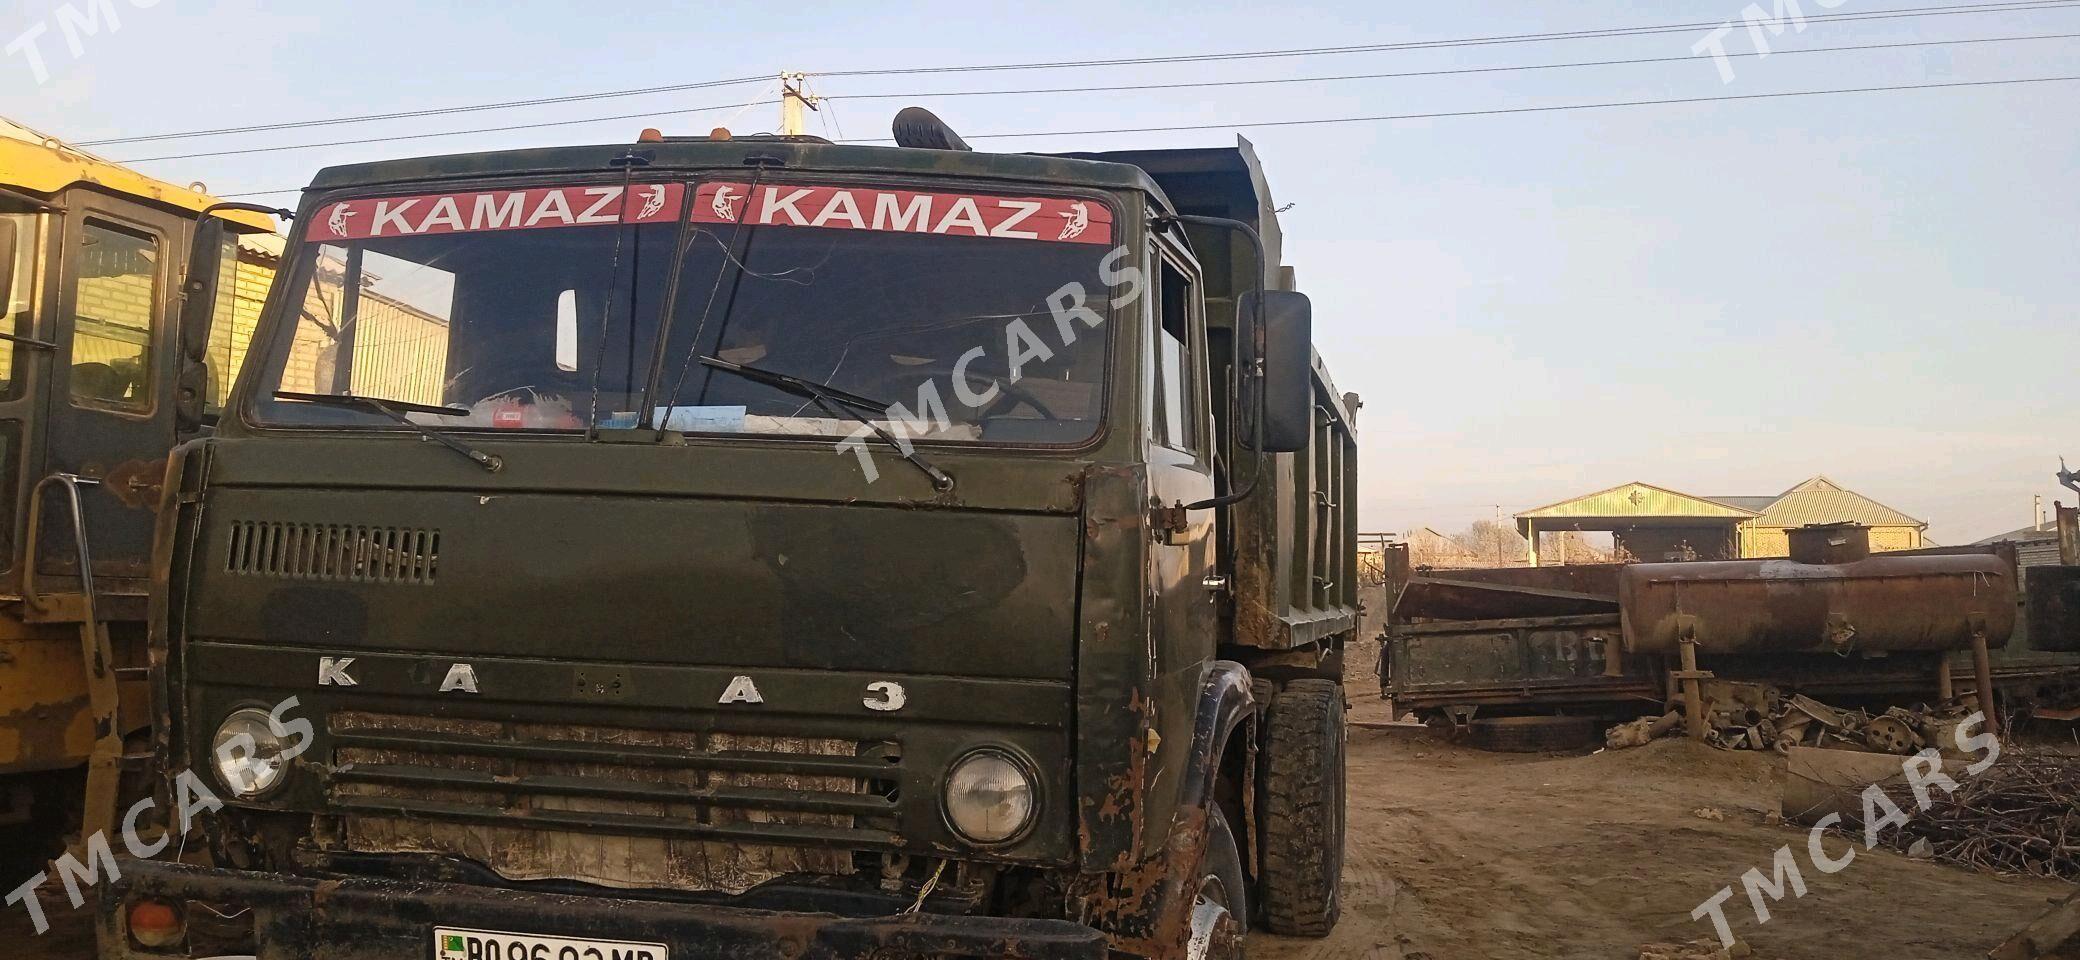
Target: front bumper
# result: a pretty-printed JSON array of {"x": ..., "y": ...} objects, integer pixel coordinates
[{"x": 297, "y": 918}]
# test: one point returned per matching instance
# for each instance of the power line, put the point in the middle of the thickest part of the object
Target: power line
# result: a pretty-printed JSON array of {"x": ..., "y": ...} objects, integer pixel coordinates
[
  {"x": 447, "y": 133},
  {"x": 1952, "y": 10},
  {"x": 1499, "y": 111},
  {"x": 1117, "y": 88},
  {"x": 1948, "y": 10},
  {"x": 429, "y": 112},
  {"x": 1435, "y": 73}
]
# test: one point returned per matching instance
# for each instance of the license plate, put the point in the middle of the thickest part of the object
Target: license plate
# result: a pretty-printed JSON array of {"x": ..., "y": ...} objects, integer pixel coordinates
[{"x": 453, "y": 944}]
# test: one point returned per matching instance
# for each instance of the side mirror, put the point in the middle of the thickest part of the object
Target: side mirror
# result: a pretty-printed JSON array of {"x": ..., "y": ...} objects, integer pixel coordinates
[
  {"x": 1286, "y": 394},
  {"x": 198, "y": 311},
  {"x": 199, "y": 287}
]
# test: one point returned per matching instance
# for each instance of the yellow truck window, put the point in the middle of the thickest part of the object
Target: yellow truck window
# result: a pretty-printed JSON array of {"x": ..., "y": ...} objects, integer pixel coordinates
[{"x": 115, "y": 307}]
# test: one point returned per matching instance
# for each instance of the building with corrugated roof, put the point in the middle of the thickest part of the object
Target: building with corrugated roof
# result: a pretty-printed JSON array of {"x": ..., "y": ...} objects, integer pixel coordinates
[
  {"x": 2035, "y": 545},
  {"x": 1820, "y": 500},
  {"x": 1654, "y": 524}
]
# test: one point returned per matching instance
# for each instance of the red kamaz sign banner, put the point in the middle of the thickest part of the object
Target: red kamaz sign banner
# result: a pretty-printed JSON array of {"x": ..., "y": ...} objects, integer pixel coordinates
[
  {"x": 1047, "y": 219},
  {"x": 496, "y": 210}
]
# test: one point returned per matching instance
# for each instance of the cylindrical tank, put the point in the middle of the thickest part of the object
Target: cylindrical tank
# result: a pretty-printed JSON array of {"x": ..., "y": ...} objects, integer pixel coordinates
[{"x": 1762, "y": 606}]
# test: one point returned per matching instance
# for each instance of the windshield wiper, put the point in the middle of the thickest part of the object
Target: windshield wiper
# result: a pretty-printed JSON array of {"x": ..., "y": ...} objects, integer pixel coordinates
[
  {"x": 837, "y": 403},
  {"x": 396, "y": 410}
]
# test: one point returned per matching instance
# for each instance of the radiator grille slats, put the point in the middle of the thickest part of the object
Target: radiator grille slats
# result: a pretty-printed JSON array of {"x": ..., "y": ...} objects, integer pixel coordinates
[
  {"x": 333, "y": 552},
  {"x": 710, "y": 811}
]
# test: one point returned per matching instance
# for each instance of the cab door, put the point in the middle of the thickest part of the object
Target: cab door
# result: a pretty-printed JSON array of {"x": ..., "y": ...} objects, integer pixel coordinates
[
  {"x": 1180, "y": 462},
  {"x": 109, "y": 414},
  {"x": 22, "y": 311}
]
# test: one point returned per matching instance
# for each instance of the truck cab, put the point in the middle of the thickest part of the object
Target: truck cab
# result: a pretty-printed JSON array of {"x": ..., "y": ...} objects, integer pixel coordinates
[
  {"x": 761, "y": 547},
  {"x": 98, "y": 381}
]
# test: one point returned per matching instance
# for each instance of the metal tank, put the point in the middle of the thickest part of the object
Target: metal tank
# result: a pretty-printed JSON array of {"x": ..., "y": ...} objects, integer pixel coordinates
[{"x": 1832, "y": 595}]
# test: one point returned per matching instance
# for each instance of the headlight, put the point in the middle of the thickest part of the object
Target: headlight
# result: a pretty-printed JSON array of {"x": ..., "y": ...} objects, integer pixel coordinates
[
  {"x": 989, "y": 797},
  {"x": 248, "y": 753}
]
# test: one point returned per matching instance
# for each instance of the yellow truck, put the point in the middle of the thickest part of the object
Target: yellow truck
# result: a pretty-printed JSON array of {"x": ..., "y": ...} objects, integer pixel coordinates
[{"x": 99, "y": 379}]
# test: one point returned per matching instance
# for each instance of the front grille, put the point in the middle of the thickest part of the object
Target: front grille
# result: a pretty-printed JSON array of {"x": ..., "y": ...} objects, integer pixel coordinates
[
  {"x": 331, "y": 551},
  {"x": 632, "y": 808}
]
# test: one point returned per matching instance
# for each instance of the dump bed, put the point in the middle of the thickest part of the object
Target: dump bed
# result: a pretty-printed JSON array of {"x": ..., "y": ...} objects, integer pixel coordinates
[{"x": 1290, "y": 549}]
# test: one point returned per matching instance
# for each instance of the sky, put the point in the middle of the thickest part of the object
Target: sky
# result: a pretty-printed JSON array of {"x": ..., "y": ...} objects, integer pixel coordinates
[{"x": 1720, "y": 298}]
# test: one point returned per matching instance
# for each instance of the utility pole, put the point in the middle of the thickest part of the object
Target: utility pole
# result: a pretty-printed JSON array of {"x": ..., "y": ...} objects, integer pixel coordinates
[
  {"x": 794, "y": 96},
  {"x": 2037, "y": 512}
]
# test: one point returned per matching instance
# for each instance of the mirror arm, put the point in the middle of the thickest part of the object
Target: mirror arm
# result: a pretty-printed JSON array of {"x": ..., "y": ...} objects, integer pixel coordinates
[
  {"x": 1254, "y": 373},
  {"x": 247, "y": 207}
]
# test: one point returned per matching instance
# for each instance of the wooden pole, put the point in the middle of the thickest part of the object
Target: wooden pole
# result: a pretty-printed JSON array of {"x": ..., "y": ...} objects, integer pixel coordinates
[
  {"x": 1693, "y": 692},
  {"x": 1982, "y": 665}
]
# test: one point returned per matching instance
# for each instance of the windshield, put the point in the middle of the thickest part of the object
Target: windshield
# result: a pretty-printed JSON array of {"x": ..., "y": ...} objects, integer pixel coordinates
[{"x": 517, "y": 305}]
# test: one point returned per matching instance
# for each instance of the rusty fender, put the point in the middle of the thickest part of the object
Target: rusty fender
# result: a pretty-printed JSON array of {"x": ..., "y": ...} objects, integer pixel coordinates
[
  {"x": 1147, "y": 908},
  {"x": 301, "y": 918}
]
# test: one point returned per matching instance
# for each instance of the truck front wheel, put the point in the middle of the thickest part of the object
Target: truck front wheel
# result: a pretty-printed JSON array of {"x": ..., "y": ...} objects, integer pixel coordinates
[
  {"x": 1303, "y": 809},
  {"x": 1220, "y": 914}
]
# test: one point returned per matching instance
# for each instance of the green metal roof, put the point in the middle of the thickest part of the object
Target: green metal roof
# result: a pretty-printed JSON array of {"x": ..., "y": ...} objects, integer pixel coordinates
[
  {"x": 1818, "y": 500},
  {"x": 1752, "y": 504},
  {"x": 1637, "y": 500},
  {"x": 1821, "y": 500}
]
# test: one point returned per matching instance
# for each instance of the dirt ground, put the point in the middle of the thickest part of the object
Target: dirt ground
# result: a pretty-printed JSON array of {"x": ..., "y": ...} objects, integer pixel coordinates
[{"x": 1456, "y": 854}]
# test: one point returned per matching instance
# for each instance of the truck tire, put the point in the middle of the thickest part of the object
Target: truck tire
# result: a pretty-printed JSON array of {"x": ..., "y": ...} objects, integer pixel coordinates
[
  {"x": 1303, "y": 809},
  {"x": 1533, "y": 734},
  {"x": 1220, "y": 913}
]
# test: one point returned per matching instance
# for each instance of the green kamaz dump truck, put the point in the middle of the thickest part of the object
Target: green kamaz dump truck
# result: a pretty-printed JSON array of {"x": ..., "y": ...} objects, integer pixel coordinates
[{"x": 761, "y": 548}]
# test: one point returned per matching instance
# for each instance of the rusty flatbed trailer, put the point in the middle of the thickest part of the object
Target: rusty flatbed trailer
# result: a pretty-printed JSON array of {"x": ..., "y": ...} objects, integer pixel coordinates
[
  {"x": 1497, "y": 642},
  {"x": 1522, "y": 664}
]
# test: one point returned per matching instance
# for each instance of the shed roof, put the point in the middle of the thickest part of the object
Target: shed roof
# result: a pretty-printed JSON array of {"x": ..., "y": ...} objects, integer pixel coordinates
[
  {"x": 1816, "y": 500},
  {"x": 1820, "y": 500},
  {"x": 1638, "y": 500},
  {"x": 2045, "y": 531}
]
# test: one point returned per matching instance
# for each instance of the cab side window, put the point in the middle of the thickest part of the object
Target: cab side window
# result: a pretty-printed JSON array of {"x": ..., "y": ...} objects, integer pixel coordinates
[
  {"x": 1176, "y": 361},
  {"x": 115, "y": 310},
  {"x": 15, "y": 310}
]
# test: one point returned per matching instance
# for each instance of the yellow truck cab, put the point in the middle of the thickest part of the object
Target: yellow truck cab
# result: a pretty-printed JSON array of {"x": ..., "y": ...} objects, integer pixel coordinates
[{"x": 98, "y": 381}]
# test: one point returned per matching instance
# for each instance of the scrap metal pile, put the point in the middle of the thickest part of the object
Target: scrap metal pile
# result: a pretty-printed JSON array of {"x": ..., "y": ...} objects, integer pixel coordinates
[
  {"x": 1754, "y": 716},
  {"x": 2021, "y": 815}
]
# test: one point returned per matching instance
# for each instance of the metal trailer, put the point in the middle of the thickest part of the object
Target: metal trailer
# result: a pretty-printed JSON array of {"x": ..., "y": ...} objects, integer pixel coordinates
[
  {"x": 1494, "y": 642},
  {"x": 1503, "y": 667}
]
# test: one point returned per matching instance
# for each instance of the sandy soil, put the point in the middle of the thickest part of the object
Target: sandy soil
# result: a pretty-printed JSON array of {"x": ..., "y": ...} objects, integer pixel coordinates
[{"x": 1457, "y": 854}]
